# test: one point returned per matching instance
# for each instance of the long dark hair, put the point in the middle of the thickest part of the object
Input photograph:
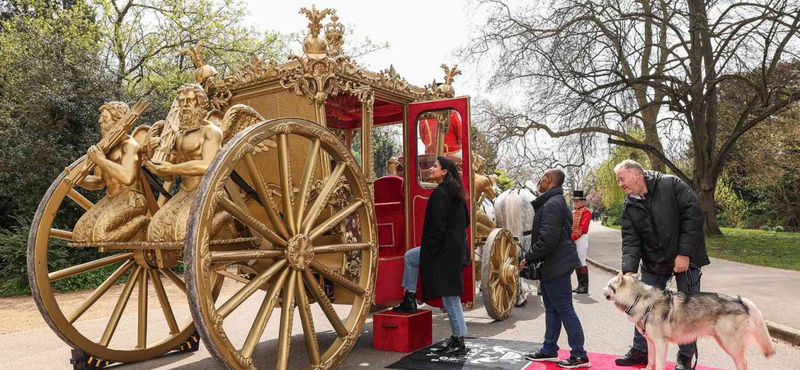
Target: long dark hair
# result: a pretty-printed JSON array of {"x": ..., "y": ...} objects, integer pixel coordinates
[{"x": 452, "y": 180}]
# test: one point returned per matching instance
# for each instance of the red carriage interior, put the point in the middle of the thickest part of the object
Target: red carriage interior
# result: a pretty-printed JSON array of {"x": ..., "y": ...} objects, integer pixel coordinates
[{"x": 343, "y": 112}]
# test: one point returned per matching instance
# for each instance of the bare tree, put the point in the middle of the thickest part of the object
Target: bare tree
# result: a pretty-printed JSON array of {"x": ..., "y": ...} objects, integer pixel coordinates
[{"x": 597, "y": 67}]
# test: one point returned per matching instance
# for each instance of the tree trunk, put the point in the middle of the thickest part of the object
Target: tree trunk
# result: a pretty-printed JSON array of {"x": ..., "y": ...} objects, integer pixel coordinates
[{"x": 706, "y": 197}]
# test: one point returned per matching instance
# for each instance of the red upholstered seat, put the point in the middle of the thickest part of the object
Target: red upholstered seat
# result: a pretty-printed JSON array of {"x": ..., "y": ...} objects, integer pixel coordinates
[
  {"x": 391, "y": 216},
  {"x": 389, "y": 189}
]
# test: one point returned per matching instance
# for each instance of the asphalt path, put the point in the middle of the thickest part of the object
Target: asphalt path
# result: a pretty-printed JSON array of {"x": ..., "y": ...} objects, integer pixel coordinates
[{"x": 607, "y": 331}]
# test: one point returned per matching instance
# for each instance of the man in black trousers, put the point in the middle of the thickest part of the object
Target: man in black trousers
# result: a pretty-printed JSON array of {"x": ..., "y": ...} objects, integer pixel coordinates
[
  {"x": 551, "y": 244},
  {"x": 662, "y": 228}
]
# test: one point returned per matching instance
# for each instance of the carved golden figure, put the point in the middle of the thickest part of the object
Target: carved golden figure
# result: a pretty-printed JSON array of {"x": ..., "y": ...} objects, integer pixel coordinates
[
  {"x": 391, "y": 166},
  {"x": 122, "y": 213},
  {"x": 195, "y": 144},
  {"x": 484, "y": 188}
]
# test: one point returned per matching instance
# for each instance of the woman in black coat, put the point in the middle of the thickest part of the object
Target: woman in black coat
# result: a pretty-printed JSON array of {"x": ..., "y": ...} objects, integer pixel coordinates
[{"x": 443, "y": 253}]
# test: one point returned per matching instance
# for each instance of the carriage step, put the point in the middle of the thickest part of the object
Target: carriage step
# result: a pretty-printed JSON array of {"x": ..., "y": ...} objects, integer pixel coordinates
[
  {"x": 83, "y": 361},
  {"x": 190, "y": 345}
]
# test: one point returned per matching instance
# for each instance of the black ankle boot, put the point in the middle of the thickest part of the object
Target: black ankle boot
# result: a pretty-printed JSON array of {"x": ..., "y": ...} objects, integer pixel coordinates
[
  {"x": 455, "y": 348},
  {"x": 408, "y": 305},
  {"x": 583, "y": 283}
]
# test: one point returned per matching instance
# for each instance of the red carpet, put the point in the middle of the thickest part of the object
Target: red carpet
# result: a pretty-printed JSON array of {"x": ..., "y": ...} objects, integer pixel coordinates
[{"x": 599, "y": 362}]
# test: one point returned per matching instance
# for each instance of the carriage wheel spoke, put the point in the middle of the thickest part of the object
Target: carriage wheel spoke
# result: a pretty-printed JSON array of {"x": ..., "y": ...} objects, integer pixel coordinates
[
  {"x": 89, "y": 266},
  {"x": 76, "y": 197},
  {"x": 510, "y": 290},
  {"x": 325, "y": 304},
  {"x": 287, "y": 314},
  {"x": 102, "y": 289},
  {"x": 239, "y": 297},
  {"x": 163, "y": 300},
  {"x": 232, "y": 276},
  {"x": 496, "y": 296},
  {"x": 142, "y": 337},
  {"x": 312, "y": 345},
  {"x": 175, "y": 279},
  {"x": 263, "y": 194},
  {"x": 246, "y": 218},
  {"x": 286, "y": 183},
  {"x": 311, "y": 218},
  {"x": 335, "y": 219},
  {"x": 246, "y": 255},
  {"x": 339, "y": 248},
  {"x": 113, "y": 321},
  {"x": 337, "y": 278},
  {"x": 61, "y": 234},
  {"x": 308, "y": 172},
  {"x": 264, "y": 313}
]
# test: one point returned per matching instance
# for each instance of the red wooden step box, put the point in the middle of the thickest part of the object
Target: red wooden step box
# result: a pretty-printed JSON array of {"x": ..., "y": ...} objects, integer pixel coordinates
[{"x": 402, "y": 332}]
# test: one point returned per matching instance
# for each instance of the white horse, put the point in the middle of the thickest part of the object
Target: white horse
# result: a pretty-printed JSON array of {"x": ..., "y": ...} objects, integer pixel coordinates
[{"x": 513, "y": 211}]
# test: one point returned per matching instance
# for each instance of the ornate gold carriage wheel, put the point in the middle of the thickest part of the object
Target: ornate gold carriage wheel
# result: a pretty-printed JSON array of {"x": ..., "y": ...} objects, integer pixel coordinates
[
  {"x": 499, "y": 273},
  {"x": 294, "y": 257},
  {"x": 131, "y": 265}
]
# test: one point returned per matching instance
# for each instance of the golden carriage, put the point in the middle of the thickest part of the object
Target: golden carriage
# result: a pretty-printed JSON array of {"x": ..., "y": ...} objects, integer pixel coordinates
[{"x": 279, "y": 206}]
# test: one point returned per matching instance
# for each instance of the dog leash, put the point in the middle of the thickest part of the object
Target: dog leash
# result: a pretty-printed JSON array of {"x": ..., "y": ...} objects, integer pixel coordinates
[{"x": 690, "y": 282}]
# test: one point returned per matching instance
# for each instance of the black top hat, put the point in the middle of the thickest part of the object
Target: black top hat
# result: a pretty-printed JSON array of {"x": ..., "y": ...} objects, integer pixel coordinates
[{"x": 578, "y": 195}]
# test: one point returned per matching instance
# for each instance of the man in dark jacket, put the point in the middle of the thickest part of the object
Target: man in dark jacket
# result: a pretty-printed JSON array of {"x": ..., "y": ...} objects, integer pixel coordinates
[
  {"x": 662, "y": 228},
  {"x": 551, "y": 243}
]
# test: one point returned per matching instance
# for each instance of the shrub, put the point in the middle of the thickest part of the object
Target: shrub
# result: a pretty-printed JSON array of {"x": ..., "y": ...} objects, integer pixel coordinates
[
  {"x": 14, "y": 271},
  {"x": 614, "y": 213}
]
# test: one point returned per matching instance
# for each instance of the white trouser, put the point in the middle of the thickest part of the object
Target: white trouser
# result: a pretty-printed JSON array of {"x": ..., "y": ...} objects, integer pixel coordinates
[{"x": 583, "y": 246}]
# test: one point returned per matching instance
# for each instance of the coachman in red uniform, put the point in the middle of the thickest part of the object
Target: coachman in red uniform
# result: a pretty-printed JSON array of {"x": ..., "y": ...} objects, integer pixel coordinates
[{"x": 581, "y": 216}]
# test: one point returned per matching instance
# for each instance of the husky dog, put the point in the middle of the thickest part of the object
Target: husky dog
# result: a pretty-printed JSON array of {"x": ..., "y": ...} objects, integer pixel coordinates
[{"x": 681, "y": 318}]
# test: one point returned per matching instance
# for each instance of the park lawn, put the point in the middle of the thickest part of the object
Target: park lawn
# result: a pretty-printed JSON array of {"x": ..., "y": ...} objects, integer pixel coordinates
[{"x": 757, "y": 247}]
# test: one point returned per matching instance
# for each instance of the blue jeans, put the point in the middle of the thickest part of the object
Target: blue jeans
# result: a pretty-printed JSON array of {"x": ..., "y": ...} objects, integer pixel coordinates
[
  {"x": 452, "y": 304},
  {"x": 558, "y": 308},
  {"x": 639, "y": 341},
  {"x": 411, "y": 271}
]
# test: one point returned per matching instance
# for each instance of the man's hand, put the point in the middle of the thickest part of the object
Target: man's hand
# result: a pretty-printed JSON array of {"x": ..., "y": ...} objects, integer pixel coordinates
[
  {"x": 95, "y": 154},
  {"x": 681, "y": 264},
  {"x": 522, "y": 264},
  {"x": 162, "y": 169}
]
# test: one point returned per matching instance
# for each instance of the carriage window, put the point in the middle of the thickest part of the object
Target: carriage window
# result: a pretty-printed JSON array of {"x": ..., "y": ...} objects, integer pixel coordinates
[
  {"x": 387, "y": 149},
  {"x": 438, "y": 133}
]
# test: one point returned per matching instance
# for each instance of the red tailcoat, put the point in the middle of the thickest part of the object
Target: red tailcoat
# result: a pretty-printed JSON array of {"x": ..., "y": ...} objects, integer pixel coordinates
[{"x": 580, "y": 222}]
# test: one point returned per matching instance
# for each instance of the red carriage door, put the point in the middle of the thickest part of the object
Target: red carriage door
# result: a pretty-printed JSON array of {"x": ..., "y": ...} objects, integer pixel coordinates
[{"x": 437, "y": 128}]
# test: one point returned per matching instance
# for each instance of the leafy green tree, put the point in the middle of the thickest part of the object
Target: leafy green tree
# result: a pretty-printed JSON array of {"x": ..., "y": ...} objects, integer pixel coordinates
[
  {"x": 141, "y": 39},
  {"x": 606, "y": 180},
  {"x": 504, "y": 182},
  {"x": 51, "y": 84}
]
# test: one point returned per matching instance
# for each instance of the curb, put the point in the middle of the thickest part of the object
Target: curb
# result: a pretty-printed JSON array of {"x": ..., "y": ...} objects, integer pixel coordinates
[{"x": 777, "y": 331}]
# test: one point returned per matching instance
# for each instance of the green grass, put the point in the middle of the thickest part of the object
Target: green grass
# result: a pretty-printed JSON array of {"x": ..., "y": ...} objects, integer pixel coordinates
[{"x": 757, "y": 247}]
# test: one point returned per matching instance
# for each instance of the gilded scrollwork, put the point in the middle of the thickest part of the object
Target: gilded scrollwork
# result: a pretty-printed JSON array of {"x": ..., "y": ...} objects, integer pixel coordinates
[{"x": 255, "y": 70}]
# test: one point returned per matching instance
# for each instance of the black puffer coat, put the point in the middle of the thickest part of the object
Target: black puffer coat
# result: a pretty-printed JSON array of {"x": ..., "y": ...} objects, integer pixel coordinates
[
  {"x": 551, "y": 237},
  {"x": 668, "y": 222},
  {"x": 444, "y": 245}
]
